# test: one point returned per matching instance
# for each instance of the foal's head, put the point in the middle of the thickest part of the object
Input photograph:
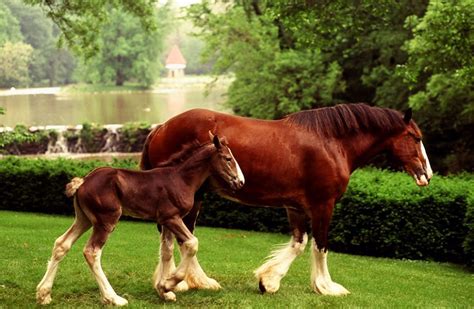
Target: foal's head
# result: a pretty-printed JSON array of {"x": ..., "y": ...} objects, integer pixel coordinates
[
  {"x": 408, "y": 148},
  {"x": 224, "y": 164}
]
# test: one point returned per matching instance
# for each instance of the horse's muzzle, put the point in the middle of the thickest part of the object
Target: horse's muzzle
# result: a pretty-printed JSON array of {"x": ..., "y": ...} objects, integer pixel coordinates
[{"x": 237, "y": 183}]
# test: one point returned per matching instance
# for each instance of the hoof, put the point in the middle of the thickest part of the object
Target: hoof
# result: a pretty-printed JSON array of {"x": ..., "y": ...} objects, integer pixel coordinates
[
  {"x": 116, "y": 301},
  {"x": 169, "y": 296},
  {"x": 330, "y": 288},
  {"x": 43, "y": 297},
  {"x": 268, "y": 286},
  {"x": 183, "y": 286}
]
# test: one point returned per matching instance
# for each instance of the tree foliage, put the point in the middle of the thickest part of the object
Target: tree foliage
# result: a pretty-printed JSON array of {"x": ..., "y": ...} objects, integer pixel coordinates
[
  {"x": 126, "y": 53},
  {"x": 49, "y": 65},
  {"x": 14, "y": 61},
  {"x": 80, "y": 21},
  {"x": 288, "y": 56},
  {"x": 440, "y": 72}
]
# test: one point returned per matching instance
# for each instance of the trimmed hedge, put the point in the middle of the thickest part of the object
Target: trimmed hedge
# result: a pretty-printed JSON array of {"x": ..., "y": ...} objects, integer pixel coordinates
[{"x": 382, "y": 213}]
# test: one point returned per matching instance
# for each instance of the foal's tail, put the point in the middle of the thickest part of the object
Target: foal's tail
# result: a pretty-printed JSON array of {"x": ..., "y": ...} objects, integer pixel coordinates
[
  {"x": 145, "y": 163},
  {"x": 72, "y": 187}
]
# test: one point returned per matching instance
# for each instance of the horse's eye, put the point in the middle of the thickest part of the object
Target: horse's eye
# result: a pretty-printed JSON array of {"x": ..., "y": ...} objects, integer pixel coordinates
[{"x": 228, "y": 159}]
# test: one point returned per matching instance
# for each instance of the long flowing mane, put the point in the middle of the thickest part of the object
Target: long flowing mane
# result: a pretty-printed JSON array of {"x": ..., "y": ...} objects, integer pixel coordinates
[{"x": 348, "y": 119}]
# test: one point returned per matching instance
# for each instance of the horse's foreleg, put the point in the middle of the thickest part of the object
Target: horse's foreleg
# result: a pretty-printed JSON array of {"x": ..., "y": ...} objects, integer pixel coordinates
[
  {"x": 195, "y": 277},
  {"x": 278, "y": 263},
  {"x": 320, "y": 278},
  {"x": 61, "y": 247},
  {"x": 189, "y": 250},
  {"x": 92, "y": 253},
  {"x": 166, "y": 263}
]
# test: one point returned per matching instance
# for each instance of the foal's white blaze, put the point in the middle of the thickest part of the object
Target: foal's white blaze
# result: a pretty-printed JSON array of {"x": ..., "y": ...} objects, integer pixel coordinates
[
  {"x": 429, "y": 172},
  {"x": 240, "y": 175}
]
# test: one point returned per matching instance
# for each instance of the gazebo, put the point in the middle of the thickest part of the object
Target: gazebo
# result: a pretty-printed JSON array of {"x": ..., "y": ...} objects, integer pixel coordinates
[{"x": 175, "y": 63}]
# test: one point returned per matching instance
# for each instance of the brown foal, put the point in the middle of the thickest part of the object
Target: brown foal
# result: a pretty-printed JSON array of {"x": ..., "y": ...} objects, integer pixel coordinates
[{"x": 164, "y": 194}]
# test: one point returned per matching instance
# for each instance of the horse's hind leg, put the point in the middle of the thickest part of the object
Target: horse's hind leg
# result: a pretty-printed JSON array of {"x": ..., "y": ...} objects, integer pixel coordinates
[
  {"x": 92, "y": 253},
  {"x": 190, "y": 247},
  {"x": 278, "y": 263},
  {"x": 60, "y": 249}
]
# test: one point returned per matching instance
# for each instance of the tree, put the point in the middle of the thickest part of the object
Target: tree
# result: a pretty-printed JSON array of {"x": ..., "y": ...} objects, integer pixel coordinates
[
  {"x": 440, "y": 72},
  {"x": 49, "y": 65},
  {"x": 9, "y": 26},
  {"x": 271, "y": 81},
  {"x": 356, "y": 46},
  {"x": 14, "y": 60},
  {"x": 126, "y": 52},
  {"x": 80, "y": 21}
]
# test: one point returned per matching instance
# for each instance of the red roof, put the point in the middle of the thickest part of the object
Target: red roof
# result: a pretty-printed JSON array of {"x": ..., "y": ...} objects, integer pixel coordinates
[{"x": 175, "y": 56}]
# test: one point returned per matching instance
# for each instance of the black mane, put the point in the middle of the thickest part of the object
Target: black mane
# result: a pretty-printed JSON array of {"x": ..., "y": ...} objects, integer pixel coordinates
[{"x": 348, "y": 119}]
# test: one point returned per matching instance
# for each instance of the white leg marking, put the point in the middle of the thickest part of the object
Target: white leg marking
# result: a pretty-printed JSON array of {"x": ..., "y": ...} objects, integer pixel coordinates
[
  {"x": 109, "y": 297},
  {"x": 278, "y": 263},
  {"x": 321, "y": 281},
  {"x": 429, "y": 171},
  {"x": 195, "y": 277},
  {"x": 62, "y": 245},
  {"x": 166, "y": 286},
  {"x": 166, "y": 260}
]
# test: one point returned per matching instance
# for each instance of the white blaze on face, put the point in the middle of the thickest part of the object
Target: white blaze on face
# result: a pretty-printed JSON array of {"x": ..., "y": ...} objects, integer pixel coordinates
[
  {"x": 240, "y": 175},
  {"x": 429, "y": 172}
]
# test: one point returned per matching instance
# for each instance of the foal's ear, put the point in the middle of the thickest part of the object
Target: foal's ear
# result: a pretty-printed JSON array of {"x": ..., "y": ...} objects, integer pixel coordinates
[
  {"x": 408, "y": 115},
  {"x": 215, "y": 140}
]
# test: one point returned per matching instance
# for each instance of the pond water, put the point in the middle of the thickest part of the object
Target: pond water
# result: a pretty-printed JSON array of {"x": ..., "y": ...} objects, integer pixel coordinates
[{"x": 59, "y": 108}]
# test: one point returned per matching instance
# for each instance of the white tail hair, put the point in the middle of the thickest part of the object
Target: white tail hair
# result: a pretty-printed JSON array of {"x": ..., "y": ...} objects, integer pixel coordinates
[{"x": 72, "y": 187}]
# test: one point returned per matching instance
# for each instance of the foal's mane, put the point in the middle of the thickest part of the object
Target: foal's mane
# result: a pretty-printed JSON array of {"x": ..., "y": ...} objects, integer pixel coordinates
[
  {"x": 348, "y": 119},
  {"x": 184, "y": 154}
]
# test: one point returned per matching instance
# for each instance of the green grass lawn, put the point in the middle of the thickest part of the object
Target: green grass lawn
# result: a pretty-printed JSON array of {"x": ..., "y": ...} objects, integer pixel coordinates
[{"x": 229, "y": 256}]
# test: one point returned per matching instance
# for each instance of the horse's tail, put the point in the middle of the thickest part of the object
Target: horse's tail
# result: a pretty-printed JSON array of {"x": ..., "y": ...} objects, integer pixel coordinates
[
  {"x": 145, "y": 163},
  {"x": 72, "y": 187}
]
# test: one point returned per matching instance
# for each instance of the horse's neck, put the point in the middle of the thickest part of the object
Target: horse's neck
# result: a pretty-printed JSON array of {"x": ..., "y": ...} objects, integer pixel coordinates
[
  {"x": 362, "y": 147},
  {"x": 196, "y": 169}
]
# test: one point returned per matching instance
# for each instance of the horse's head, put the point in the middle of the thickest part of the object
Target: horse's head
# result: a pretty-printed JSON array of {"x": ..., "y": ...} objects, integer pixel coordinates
[
  {"x": 224, "y": 164},
  {"x": 408, "y": 148}
]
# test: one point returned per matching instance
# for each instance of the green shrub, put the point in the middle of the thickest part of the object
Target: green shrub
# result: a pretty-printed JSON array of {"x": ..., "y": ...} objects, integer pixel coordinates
[
  {"x": 385, "y": 214},
  {"x": 382, "y": 213},
  {"x": 469, "y": 222},
  {"x": 37, "y": 185}
]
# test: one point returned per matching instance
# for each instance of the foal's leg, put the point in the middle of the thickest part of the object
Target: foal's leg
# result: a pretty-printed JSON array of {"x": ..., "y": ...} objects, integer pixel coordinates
[
  {"x": 190, "y": 247},
  {"x": 195, "y": 277},
  {"x": 60, "y": 249},
  {"x": 280, "y": 260},
  {"x": 321, "y": 281},
  {"x": 92, "y": 253},
  {"x": 166, "y": 264}
]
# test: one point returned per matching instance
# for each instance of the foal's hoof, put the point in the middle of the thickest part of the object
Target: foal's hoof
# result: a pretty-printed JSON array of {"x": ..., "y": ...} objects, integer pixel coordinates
[
  {"x": 169, "y": 296},
  {"x": 43, "y": 297},
  {"x": 183, "y": 286},
  {"x": 116, "y": 301}
]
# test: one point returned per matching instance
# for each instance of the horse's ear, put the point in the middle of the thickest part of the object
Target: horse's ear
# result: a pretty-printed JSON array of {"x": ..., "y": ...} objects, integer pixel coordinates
[
  {"x": 216, "y": 142},
  {"x": 408, "y": 115},
  {"x": 211, "y": 136}
]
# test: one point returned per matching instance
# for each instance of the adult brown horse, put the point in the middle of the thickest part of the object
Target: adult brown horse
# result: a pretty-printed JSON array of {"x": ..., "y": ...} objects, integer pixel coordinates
[{"x": 301, "y": 162}]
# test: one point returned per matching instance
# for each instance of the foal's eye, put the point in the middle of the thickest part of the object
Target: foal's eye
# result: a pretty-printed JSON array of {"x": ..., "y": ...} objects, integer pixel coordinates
[{"x": 228, "y": 159}]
